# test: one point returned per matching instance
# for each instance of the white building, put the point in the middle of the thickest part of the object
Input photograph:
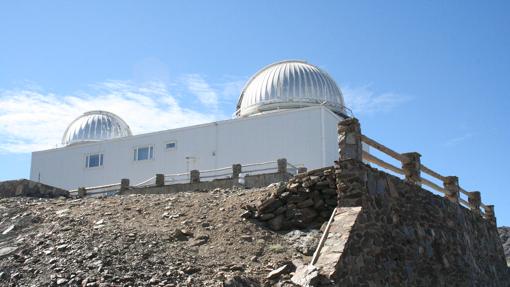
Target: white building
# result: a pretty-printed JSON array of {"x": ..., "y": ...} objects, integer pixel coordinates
[{"x": 287, "y": 110}]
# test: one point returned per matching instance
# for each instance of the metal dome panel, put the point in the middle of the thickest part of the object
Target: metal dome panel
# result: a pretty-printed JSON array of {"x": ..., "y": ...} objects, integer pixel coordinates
[
  {"x": 95, "y": 126},
  {"x": 288, "y": 85}
]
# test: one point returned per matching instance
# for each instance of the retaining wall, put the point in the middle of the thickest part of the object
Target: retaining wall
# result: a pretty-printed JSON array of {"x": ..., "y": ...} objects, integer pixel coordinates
[
  {"x": 407, "y": 236},
  {"x": 25, "y": 187}
]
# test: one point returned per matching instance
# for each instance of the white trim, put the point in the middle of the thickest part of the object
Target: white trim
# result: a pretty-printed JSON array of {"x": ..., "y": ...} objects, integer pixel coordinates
[
  {"x": 87, "y": 160},
  {"x": 135, "y": 149},
  {"x": 170, "y": 148}
]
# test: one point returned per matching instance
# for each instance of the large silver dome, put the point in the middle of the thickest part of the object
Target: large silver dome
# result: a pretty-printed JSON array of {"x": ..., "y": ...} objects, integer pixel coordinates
[
  {"x": 95, "y": 126},
  {"x": 289, "y": 85}
]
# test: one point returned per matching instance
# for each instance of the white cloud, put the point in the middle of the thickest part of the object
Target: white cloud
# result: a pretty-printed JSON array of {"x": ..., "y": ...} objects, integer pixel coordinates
[
  {"x": 204, "y": 92},
  {"x": 458, "y": 140},
  {"x": 363, "y": 100},
  {"x": 34, "y": 119},
  {"x": 31, "y": 119}
]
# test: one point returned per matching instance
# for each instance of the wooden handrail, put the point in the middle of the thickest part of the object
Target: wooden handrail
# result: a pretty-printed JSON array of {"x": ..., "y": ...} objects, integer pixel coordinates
[
  {"x": 323, "y": 238},
  {"x": 402, "y": 158},
  {"x": 464, "y": 202},
  {"x": 431, "y": 172},
  {"x": 383, "y": 148},
  {"x": 463, "y": 191},
  {"x": 433, "y": 185},
  {"x": 380, "y": 162}
]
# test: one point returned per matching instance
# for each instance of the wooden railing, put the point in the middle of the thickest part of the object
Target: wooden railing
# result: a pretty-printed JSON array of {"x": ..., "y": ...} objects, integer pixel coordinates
[
  {"x": 351, "y": 140},
  {"x": 194, "y": 176}
]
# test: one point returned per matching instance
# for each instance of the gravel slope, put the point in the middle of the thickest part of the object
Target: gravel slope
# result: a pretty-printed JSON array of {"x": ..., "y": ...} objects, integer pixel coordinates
[{"x": 182, "y": 239}]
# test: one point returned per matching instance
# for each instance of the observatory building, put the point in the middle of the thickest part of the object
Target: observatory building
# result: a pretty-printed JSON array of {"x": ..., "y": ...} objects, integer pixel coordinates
[{"x": 288, "y": 109}]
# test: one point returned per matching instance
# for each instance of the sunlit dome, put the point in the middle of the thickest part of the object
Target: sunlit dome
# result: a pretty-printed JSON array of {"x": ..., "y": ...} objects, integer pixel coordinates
[
  {"x": 289, "y": 85},
  {"x": 95, "y": 126}
]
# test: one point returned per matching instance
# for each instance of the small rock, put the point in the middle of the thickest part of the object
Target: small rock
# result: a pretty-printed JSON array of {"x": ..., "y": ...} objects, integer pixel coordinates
[
  {"x": 198, "y": 242},
  {"x": 191, "y": 270},
  {"x": 247, "y": 214},
  {"x": 240, "y": 281},
  {"x": 8, "y": 229},
  {"x": 62, "y": 247},
  {"x": 306, "y": 276},
  {"x": 277, "y": 222},
  {"x": 247, "y": 238},
  {"x": 62, "y": 212},
  {"x": 266, "y": 216},
  {"x": 4, "y": 251},
  {"x": 181, "y": 235},
  {"x": 285, "y": 269},
  {"x": 61, "y": 281}
]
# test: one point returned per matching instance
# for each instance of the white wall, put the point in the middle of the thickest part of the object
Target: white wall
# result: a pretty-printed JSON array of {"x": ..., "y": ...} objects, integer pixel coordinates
[{"x": 305, "y": 136}]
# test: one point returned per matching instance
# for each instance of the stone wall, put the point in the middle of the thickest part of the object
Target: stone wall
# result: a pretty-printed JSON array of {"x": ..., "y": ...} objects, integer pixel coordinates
[
  {"x": 398, "y": 234},
  {"x": 28, "y": 188},
  {"x": 306, "y": 200},
  {"x": 407, "y": 236}
]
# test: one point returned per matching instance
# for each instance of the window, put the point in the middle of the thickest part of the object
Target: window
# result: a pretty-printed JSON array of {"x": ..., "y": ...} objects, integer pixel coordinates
[
  {"x": 94, "y": 160},
  {"x": 144, "y": 153},
  {"x": 171, "y": 145}
]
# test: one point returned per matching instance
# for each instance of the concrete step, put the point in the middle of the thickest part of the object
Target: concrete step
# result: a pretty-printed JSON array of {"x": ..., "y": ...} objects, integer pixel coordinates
[{"x": 333, "y": 241}]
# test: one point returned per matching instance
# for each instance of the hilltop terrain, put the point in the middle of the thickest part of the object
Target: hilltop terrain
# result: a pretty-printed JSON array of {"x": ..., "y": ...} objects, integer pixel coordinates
[{"x": 182, "y": 239}]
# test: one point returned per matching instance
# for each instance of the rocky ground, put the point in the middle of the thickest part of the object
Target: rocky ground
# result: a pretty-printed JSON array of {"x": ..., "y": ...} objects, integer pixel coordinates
[
  {"x": 181, "y": 239},
  {"x": 504, "y": 234}
]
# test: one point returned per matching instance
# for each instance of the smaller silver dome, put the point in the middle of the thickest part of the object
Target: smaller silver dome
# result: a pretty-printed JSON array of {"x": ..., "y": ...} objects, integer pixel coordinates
[{"x": 95, "y": 126}]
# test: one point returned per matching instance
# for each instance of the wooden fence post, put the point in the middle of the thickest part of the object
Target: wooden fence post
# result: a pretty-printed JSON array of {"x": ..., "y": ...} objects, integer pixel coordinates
[
  {"x": 282, "y": 165},
  {"x": 236, "y": 170},
  {"x": 82, "y": 192},
  {"x": 160, "y": 179},
  {"x": 451, "y": 184},
  {"x": 490, "y": 215},
  {"x": 349, "y": 139},
  {"x": 475, "y": 200},
  {"x": 124, "y": 184},
  {"x": 411, "y": 165},
  {"x": 194, "y": 176}
]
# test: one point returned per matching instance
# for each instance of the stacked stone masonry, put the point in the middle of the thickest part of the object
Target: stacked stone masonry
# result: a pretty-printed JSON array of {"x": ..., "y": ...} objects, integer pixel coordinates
[
  {"x": 307, "y": 200},
  {"x": 28, "y": 188},
  {"x": 407, "y": 236},
  {"x": 395, "y": 234}
]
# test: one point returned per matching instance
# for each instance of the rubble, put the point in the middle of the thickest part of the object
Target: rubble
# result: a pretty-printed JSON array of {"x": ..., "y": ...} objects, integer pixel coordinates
[
  {"x": 125, "y": 241},
  {"x": 307, "y": 200}
]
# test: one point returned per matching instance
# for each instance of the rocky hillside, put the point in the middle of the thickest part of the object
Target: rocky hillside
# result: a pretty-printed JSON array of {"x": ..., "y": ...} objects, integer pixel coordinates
[
  {"x": 504, "y": 234},
  {"x": 182, "y": 239}
]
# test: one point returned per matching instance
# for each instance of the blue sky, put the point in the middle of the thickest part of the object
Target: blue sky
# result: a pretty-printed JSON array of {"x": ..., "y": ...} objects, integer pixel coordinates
[{"x": 426, "y": 76}]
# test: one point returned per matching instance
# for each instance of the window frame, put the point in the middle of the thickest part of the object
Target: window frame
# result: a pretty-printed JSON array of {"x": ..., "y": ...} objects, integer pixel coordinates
[
  {"x": 100, "y": 159},
  {"x": 150, "y": 153},
  {"x": 174, "y": 142}
]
